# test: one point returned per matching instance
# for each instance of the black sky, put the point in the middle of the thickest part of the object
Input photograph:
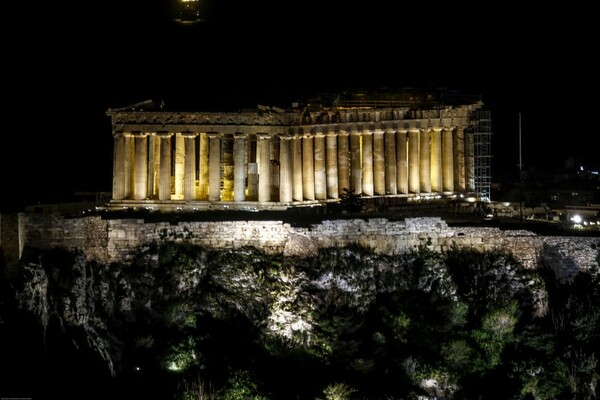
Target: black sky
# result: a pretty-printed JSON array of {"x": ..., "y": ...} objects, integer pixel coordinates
[{"x": 65, "y": 65}]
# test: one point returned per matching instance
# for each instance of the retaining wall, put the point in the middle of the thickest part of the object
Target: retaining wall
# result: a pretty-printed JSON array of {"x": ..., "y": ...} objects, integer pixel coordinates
[{"x": 112, "y": 240}]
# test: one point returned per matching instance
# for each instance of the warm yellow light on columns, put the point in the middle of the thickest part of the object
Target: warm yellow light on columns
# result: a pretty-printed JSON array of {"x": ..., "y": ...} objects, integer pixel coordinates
[
  {"x": 153, "y": 165},
  {"x": 308, "y": 169},
  {"x": 285, "y": 171},
  {"x": 436, "y": 160},
  {"x": 119, "y": 168},
  {"x": 252, "y": 168},
  {"x": 140, "y": 183},
  {"x": 402, "y": 162},
  {"x": 214, "y": 164},
  {"x": 459, "y": 160},
  {"x": 179, "y": 166},
  {"x": 320, "y": 169},
  {"x": 275, "y": 167},
  {"x": 189, "y": 177},
  {"x": 390, "y": 162},
  {"x": 355, "y": 162},
  {"x": 130, "y": 165},
  {"x": 413, "y": 161},
  {"x": 343, "y": 157},
  {"x": 297, "y": 185},
  {"x": 378, "y": 163},
  {"x": 264, "y": 167},
  {"x": 448, "y": 159},
  {"x": 164, "y": 180},
  {"x": 332, "y": 165},
  {"x": 203, "y": 176},
  {"x": 367, "y": 162},
  {"x": 239, "y": 160},
  {"x": 425, "y": 161}
]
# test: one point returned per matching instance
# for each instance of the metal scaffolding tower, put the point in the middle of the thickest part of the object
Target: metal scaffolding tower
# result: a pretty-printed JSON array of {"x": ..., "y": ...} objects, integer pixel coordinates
[{"x": 482, "y": 155}]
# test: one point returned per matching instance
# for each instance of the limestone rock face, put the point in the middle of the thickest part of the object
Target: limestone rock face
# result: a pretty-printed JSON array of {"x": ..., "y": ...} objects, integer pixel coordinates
[
  {"x": 72, "y": 298},
  {"x": 300, "y": 245}
]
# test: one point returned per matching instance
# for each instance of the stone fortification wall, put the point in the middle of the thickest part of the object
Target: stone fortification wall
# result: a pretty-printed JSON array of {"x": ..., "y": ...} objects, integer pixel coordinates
[
  {"x": 11, "y": 238},
  {"x": 111, "y": 240},
  {"x": 47, "y": 231},
  {"x": 125, "y": 236}
]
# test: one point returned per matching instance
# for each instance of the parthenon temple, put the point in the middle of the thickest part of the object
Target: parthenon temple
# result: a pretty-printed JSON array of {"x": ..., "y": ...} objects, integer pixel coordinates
[{"x": 403, "y": 143}]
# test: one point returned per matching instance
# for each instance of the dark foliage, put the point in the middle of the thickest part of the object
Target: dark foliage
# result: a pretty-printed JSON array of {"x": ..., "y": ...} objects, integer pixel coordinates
[
  {"x": 182, "y": 320},
  {"x": 350, "y": 201}
]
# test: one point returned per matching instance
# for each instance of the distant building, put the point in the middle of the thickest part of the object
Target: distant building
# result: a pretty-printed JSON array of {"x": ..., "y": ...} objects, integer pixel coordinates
[{"x": 407, "y": 143}]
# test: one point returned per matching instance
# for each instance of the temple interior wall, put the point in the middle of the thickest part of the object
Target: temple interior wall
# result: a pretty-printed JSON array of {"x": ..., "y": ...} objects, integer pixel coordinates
[{"x": 117, "y": 240}]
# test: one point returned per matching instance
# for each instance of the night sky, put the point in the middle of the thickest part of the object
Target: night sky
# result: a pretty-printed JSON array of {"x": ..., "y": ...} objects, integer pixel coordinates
[{"x": 66, "y": 64}]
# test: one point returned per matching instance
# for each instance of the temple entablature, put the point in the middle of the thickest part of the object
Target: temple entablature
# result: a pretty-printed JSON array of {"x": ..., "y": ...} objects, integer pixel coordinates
[{"x": 143, "y": 129}]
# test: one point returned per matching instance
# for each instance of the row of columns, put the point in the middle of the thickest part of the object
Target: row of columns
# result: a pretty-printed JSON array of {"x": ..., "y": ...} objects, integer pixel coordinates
[{"x": 301, "y": 167}]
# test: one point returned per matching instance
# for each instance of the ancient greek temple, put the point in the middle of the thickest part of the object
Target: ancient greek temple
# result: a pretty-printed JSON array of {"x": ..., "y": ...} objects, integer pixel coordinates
[{"x": 404, "y": 143}]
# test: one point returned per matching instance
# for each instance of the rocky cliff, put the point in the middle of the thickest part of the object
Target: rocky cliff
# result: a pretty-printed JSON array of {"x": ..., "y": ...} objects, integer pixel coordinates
[{"x": 139, "y": 307}]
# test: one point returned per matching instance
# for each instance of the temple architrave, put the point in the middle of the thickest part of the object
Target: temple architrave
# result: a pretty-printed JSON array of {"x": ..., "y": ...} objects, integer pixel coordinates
[{"x": 404, "y": 143}]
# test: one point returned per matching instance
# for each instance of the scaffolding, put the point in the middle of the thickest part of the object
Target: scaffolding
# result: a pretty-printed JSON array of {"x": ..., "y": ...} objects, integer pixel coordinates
[{"x": 482, "y": 155}]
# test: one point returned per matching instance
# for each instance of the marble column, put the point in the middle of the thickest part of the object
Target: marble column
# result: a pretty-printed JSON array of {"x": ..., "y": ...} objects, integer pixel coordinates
[
  {"x": 264, "y": 167},
  {"x": 140, "y": 182},
  {"x": 153, "y": 165},
  {"x": 239, "y": 162},
  {"x": 378, "y": 163},
  {"x": 285, "y": 171},
  {"x": 179, "y": 166},
  {"x": 355, "y": 162},
  {"x": 332, "y": 166},
  {"x": 189, "y": 178},
  {"x": 252, "y": 165},
  {"x": 320, "y": 170},
  {"x": 297, "y": 190},
  {"x": 308, "y": 169},
  {"x": 214, "y": 164},
  {"x": 203, "y": 176},
  {"x": 425, "y": 160},
  {"x": 227, "y": 167},
  {"x": 413, "y": 161},
  {"x": 119, "y": 169},
  {"x": 164, "y": 179},
  {"x": 129, "y": 165},
  {"x": 436, "y": 160},
  {"x": 252, "y": 181},
  {"x": 402, "y": 161},
  {"x": 459, "y": 160},
  {"x": 367, "y": 162},
  {"x": 391, "y": 176},
  {"x": 275, "y": 167},
  {"x": 448, "y": 159},
  {"x": 343, "y": 156}
]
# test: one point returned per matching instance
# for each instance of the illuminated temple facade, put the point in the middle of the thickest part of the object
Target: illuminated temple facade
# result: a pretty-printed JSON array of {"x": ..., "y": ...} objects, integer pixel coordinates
[{"x": 409, "y": 144}]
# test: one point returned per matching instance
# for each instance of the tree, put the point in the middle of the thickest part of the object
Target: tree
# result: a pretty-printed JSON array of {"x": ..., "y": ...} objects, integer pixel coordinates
[
  {"x": 495, "y": 333},
  {"x": 351, "y": 202}
]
